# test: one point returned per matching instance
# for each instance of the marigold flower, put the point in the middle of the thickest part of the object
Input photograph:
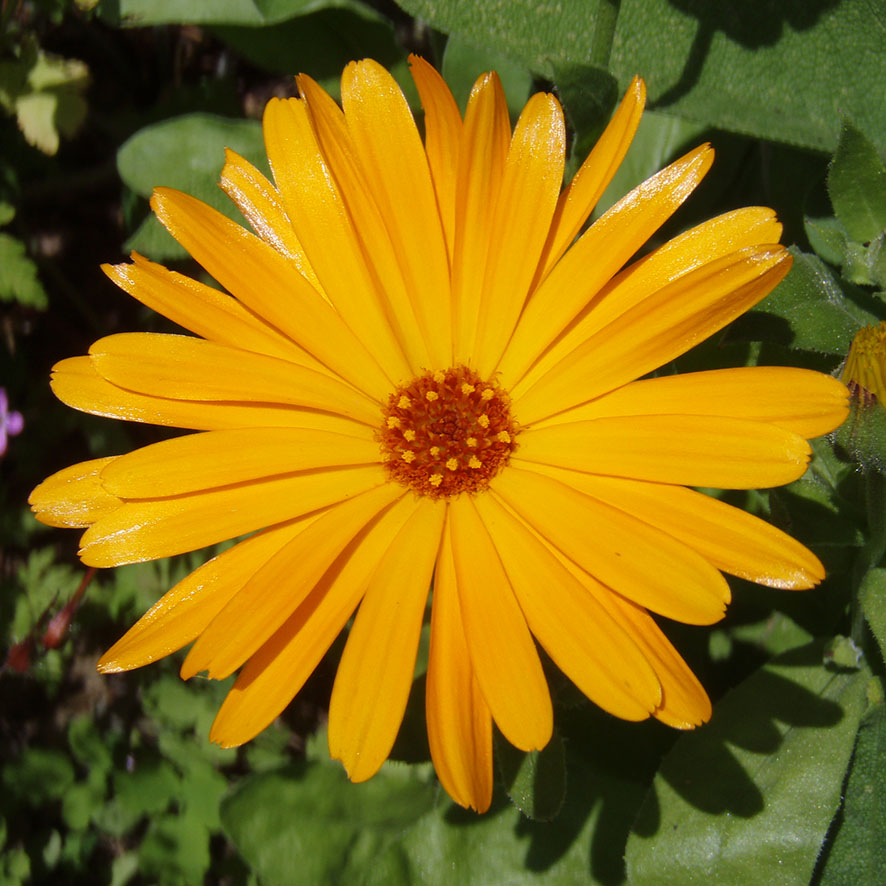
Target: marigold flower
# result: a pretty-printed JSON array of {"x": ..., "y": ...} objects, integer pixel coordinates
[
  {"x": 865, "y": 369},
  {"x": 425, "y": 373}
]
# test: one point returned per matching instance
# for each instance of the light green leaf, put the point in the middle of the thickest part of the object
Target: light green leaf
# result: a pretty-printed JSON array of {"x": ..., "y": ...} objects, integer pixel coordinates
[
  {"x": 538, "y": 34},
  {"x": 865, "y": 265},
  {"x": 808, "y": 310},
  {"x": 175, "y": 850},
  {"x": 19, "y": 281},
  {"x": 749, "y": 798},
  {"x": 187, "y": 153},
  {"x": 827, "y": 237},
  {"x": 535, "y": 781},
  {"x": 774, "y": 70},
  {"x": 80, "y": 802},
  {"x": 463, "y": 63},
  {"x": 148, "y": 789},
  {"x": 872, "y": 595},
  {"x": 311, "y": 819},
  {"x": 857, "y": 185},
  {"x": 858, "y": 853},
  {"x": 139, "y": 13}
]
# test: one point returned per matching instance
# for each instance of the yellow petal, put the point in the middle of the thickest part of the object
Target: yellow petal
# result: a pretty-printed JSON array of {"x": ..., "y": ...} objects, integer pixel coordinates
[
  {"x": 183, "y": 368},
  {"x": 75, "y": 382},
  {"x": 684, "y": 703},
  {"x": 484, "y": 148},
  {"x": 689, "y": 450},
  {"x": 579, "y": 635},
  {"x": 203, "y": 310},
  {"x": 704, "y": 243},
  {"x": 278, "y": 670},
  {"x": 656, "y": 331},
  {"x": 330, "y": 210},
  {"x": 260, "y": 203},
  {"x": 502, "y": 652},
  {"x": 443, "y": 128},
  {"x": 146, "y": 530},
  {"x": 530, "y": 184},
  {"x": 276, "y": 589},
  {"x": 222, "y": 458},
  {"x": 184, "y": 612},
  {"x": 600, "y": 252},
  {"x": 459, "y": 722},
  {"x": 393, "y": 159},
  {"x": 74, "y": 498},
  {"x": 731, "y": 539},
  {"x": 799, "y": 400},
  {"x": 269, "y": 284},
  {"x": 588, "y": 184},
  {"x": 636, "y": 560},
  {"x": 378, "y": 665}
]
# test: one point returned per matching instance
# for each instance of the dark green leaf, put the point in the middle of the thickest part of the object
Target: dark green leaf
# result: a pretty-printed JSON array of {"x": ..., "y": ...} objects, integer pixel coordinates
[
  {"x": 808, "y": 310},
  {"x": 862, "y": 437},
  {"x": 311, "y": 819},
  {"x": 872, "y": 595},
  {"x": 80, "y": 802},
  {"x": 770, "y": 764},
  {"x": 320, "y": 44},
  {"x": 773, "y": 70},
  {"x": 535, "y": 781},
  {"x": 538, "y": 34},
  {"x": 187, "y": 153},
  {"x": 38, "y": 775},
  {"x": 857, "y": 186},
  {"x": 858, "y": 853},
  {"x": 588, "y": 95},
  {"x": 87, "y": 745}
]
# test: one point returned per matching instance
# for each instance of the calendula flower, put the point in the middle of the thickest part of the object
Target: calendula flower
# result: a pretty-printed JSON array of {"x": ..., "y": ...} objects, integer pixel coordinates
[
  {"x": 425, "y": 374},
  {"x": 865, "y": 369}
]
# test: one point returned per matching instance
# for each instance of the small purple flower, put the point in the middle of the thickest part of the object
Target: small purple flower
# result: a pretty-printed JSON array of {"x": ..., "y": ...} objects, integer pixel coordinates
[{"x": 11, "y": 423}]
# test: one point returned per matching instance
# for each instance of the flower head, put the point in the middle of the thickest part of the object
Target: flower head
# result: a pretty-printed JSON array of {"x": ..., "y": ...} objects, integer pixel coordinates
[{"x": 425, "y": 373}]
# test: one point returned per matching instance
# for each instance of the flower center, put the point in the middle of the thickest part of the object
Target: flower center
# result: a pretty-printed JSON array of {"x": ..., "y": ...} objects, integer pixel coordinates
[{"x": 447, "y": 432}]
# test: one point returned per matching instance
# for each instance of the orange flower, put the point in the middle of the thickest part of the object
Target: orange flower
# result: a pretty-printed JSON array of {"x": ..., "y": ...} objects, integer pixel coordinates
[{"x": 425, "y": 373}]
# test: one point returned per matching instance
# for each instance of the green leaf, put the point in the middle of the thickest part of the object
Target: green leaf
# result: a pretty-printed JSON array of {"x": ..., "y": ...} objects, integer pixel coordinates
[
  {"x": 872, "y": 595},
  {"x": 187, "y": 153},
  {"x": 463, "y": 63},
  {"x": 311, "y": 819},
  {"x": 538, "y": 34},
  {"x": 139, "y": 13},
  {"x": 773, "y": 70},
  {"x": 862, "y": 437},
  {"x": 808, "y": 311},
  {"x": 38, "y": 775},
  {"x": 535, "y": 781},
  {"x": 866, "y": 265},
  {"x": 588, "y": 95},
  {"x": 858, "y": 852},
  {"x": 770, "y": 764},
  {"x": 80, "y": 802},
  {"x": 319, "y": 44},
  {"x": 857, "y": 185},
  {"x": 827, "y": 237},
  {"x": 19, "y": 281},
  {"x": 148, "y": 789},
  {"x": 87, "y": 745},
  {"x": 175, "y": 850}
]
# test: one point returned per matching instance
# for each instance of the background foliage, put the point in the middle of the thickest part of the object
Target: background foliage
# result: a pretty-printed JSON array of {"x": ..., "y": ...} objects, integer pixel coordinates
[{"x": 112, "y": 779}]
